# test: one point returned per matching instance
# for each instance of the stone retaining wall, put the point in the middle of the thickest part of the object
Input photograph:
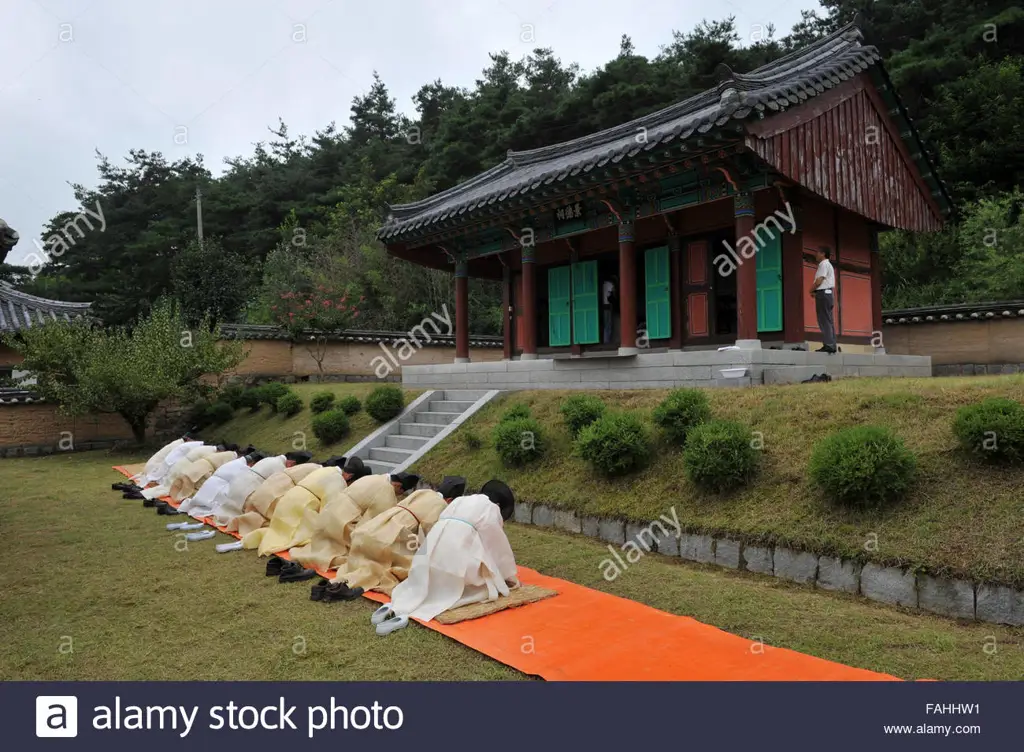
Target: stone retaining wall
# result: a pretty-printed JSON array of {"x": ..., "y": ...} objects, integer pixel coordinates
[
  {"x": 978, "y": 369},
  {"x": 891, "y": 585}
]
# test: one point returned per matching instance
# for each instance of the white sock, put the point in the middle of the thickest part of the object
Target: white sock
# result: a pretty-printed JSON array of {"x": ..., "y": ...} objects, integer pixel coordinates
[
  {"x": 223, "y": 548},
  {"x": 205, "y": 535}
]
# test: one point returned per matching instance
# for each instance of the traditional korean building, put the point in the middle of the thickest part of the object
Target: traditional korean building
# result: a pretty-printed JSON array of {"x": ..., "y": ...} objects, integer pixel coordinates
[{"x": 704, "y": 217}]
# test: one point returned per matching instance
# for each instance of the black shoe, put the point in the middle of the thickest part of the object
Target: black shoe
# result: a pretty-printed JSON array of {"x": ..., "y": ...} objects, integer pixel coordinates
[
  {"x": 134, "y": 495},
  {"x": 274, "y": 566},
  {"x": 167, "y": 509},
  {"x": 316, "y": 593},
  {"x": 293, "y": 572},
  {"x": 340, "y": 591},
  {"x": 824, "y": 349},
  {"x": 149, "y": 502}
]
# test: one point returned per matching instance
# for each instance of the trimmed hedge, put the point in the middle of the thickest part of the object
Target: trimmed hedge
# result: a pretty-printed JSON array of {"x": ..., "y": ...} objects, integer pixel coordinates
[
  {"x": 331, "y": 426},
  {"x": 518, "y": 441},
  {"x": 232, "y": 394},
  {"x": 579, "y": 411},
  {"x": 250, "y": 398},
  {"x": 615, "y": 444},
  {"x": 271, "y": 393},
  {"x": 864, "y": 466},
  {"x": 992, "y": 430},
  {"x": 681, "y": 411},
  {"x": 290, "y": 404},
  {"x": 219, "y": 413},
  {"x": 385, "y": 403},
  {"x": 350, "y": 404},
  {"x": 720, "y": 455},
  {"x": 322, "y": 402}
]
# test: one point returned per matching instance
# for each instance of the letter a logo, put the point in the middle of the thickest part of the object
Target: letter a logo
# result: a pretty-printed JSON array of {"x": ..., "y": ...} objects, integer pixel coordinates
[{"x": 56, "y": 716}]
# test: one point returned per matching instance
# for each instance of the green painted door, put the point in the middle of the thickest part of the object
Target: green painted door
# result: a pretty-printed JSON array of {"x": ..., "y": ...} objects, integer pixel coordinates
[
  {"x": 585, "y": 313},
  {"x": 769, "y": 284},
  {"x": 558, "y": 306},
  {"x": 659, "y": 317}
]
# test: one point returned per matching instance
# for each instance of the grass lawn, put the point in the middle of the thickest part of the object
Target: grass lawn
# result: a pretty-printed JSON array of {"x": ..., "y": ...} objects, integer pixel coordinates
[
  {"x": 104, "y": 572},
  {"x": 271, "y": 432},
  {"x": 962, "y": 518}
]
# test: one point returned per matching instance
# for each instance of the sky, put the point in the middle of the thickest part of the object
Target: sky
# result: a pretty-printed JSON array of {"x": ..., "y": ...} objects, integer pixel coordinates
[{"x": 189, "y": 77}]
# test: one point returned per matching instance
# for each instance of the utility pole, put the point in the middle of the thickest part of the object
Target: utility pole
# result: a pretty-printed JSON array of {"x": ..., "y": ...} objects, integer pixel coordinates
[{"x": 199, "y": 215}]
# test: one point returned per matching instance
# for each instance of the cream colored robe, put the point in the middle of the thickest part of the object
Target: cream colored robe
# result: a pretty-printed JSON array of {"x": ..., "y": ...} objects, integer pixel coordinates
[
  {"x": 193, "y": 476},
  {"x": 331, "y": 530},
  {"x": 259, "y": 507},
  {"x": 243, "y": 485},
  {"x": 177, "y": 469},
  {"x": 382, "y": 547},
  {"x": 286, "y": 527}
]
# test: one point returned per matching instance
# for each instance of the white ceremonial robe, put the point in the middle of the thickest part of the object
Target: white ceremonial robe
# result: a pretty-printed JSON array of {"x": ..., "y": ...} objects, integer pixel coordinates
[
  {"x": 242, "y": 485},
  {"x": 163, "y": 488},
  {"x": 154, "y": 462},
  {"x": 170, "y": 460},
  {"x": 465, "y": 559},
  {"x": 211, "y": 493}
]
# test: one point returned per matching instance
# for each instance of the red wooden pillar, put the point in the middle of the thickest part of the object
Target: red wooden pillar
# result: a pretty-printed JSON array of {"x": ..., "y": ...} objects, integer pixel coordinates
[
  {"x": 506, "y": 306},
  {"x": 461, "y": 312},
  {"x": 746, "y": 274},
  {"x": 676, "y": 295},
  {"x": 794, "y": 294},
  {"x": 876, "y": 293},
  {"x": 529, "y": 304},
  {"x": 627, "y": 290}
]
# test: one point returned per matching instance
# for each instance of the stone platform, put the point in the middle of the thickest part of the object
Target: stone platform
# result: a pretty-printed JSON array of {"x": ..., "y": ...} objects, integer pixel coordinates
[{"x": 698, "y": 368}]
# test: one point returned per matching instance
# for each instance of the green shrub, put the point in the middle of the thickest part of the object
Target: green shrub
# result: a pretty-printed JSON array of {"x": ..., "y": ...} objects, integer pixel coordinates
[
  {"x": 290, "y": 404},
  {"x": 992, "y": 430},
  {"x": 579, "y": 411},
  {"x": 516, "y": 412},
  {"x": 232, "y": 394},
  {"x": 518, "y": 441},
  {"x": 219, "y": 413},
  {"x": 271, "y": 393},
  {"x": 330, "y": 426},
  {"x": 720, "y": 455},
  {"x": 385, "y": 403},
  {"x": 199, "y": 414},
  {"x": 351, "y": 404},
  {"x": 680, "y": 411},
  {"x": 615, "y": 444},
  {"x": 322, "y": 402},
  {"x": 471, "y": 439},
  {"x": 250, "y": 398},
  {"x": 864, "y": 466}
]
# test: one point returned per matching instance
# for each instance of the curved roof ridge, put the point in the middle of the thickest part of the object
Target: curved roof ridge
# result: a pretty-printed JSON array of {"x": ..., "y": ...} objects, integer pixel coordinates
[
  {"x": 11, "y": 293},
  {"x": 455, "y": 190}
]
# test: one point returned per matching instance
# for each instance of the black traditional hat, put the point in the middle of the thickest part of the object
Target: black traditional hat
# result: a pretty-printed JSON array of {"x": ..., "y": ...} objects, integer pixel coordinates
[
  {"x": 253, "y": 457},
  {"x": 248, "y": 450},
  {"x": 452, "y": 486},
  {"x": 354, "y": 465},
  {"x": 408, "y": 480},
  {"x": 501, "y": 495},
  {"x": 335, "y": 461},
  {"x": 299, "y": 458}
]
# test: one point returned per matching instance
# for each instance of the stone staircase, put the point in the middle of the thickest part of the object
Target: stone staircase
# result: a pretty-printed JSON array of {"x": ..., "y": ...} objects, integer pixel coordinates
[{"x": 432, "y": 416}]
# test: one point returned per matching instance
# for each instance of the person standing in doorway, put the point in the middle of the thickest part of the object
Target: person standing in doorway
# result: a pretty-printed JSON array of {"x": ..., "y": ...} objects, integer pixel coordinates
[
  {"x": 823, "y": 292},
  {"x": 609, "y": 300}
]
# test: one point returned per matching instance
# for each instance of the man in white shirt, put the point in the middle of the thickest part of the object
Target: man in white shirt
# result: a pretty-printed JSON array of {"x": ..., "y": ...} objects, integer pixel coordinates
[
  {"x": 823, "y": 292},
  {"x": 607, "y": 308}
]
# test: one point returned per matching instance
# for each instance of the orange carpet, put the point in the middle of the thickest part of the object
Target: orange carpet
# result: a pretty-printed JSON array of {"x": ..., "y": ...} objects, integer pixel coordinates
[{"x": 586, "y": 635}]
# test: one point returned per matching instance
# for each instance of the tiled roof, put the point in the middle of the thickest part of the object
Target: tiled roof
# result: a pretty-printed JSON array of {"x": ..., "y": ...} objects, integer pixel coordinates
[
  {"x": 952, "y": 313},
  {"x": 18, "y": 397},
  {"x": 259, "y": 331},
  {"x": 20, "y": 310},
  {"x": 785, "y": 82}
]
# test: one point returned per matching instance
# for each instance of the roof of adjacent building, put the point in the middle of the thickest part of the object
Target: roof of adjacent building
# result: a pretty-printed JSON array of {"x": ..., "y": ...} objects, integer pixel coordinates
[
  {"x": 956, "y": 312},
  {"x": 19, "y": 310},
  {"x": 430, "y": 337},
  {"x": 787, "y": 81}
]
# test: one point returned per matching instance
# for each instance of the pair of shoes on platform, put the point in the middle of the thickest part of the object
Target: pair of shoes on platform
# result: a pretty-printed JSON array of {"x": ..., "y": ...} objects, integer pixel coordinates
[
  {"x": 288, "y": 571},
  {"x": 818, "y": 378},
  {"x": 826, "y": 349},
  {"x": 126, "y": 487},
  {"x": 387, "y": 621},
  {"x": 332, "y": 592}
]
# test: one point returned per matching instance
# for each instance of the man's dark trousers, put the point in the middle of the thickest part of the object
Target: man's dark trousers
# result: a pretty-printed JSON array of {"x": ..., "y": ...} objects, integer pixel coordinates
[{"x": 824, "y": 303}]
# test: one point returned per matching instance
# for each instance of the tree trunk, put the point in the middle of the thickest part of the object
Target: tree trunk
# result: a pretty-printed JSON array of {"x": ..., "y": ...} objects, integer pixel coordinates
[{"x": 138, "y": 426}]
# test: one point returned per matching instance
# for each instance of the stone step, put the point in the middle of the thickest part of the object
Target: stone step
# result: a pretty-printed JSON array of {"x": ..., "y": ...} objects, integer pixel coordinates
[
  {"x": 428, "y": 430},
  {"x": 463, "y": 395},
  {"x": 400, "y": 441},
  {"x": 377, "y": 467},
  {"x": 791, "y": 374},
  {"x": 449, "y": 406},
  {"x": 435, "y": 418},
  {"x": 393, "y": 456}
]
